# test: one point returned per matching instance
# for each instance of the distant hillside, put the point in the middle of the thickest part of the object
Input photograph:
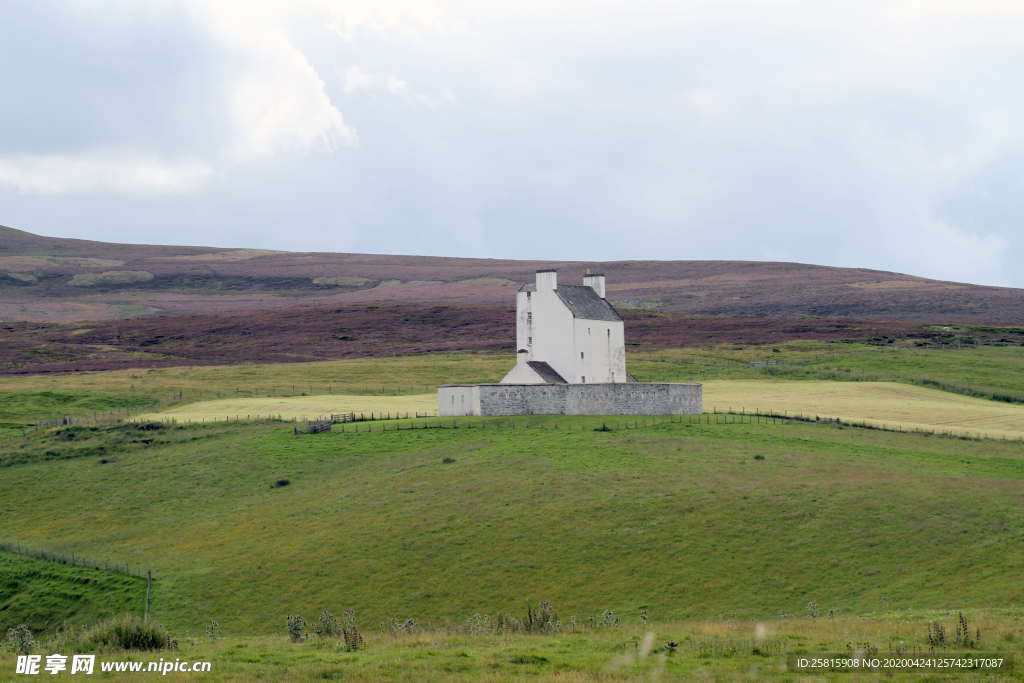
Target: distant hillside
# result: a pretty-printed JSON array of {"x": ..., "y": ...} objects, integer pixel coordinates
[{"x": 53, "y": 279}]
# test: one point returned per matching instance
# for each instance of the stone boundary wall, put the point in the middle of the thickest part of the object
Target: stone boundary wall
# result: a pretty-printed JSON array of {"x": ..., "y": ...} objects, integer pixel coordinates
[{"x": 632, "y": 398}]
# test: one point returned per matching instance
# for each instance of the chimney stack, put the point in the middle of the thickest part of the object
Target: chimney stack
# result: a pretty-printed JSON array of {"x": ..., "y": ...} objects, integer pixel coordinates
[
  {"x": 596, "y": 282},
  {"x": 547, "y": 280}
]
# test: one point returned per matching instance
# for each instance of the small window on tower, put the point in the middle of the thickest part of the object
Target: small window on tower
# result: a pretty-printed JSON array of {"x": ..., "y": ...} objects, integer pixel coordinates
[
  {"x": 529, "y": 341},
  {"x": 584, "y": 378},
  {"x": 581, "y": 355}
]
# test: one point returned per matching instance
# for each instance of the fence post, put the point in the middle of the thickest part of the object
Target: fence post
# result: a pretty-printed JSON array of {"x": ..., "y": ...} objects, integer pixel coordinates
[{"x": 149, "y": 592}]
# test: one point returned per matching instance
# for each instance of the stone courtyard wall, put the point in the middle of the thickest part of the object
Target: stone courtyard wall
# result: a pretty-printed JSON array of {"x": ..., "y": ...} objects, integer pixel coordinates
[{"x": 633, "y": 398}]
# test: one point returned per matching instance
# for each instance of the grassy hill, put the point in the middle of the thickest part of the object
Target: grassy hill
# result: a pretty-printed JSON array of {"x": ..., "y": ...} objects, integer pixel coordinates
[
  {"x": 46, "y": 595},
  {"x": 737, "y": 521},
  {"x": 54, "y": 279}
]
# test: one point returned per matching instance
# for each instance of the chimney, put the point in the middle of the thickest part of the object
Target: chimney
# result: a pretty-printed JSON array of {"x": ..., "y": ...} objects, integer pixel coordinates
[
  {"x": 595, "y": 282},
  {"x": 547, "y": 280}
]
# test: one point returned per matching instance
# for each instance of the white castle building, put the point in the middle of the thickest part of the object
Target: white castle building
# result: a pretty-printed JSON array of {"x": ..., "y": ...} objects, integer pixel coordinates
[
  {"x": 567, "y": 334},
  {"x": 570, "y": 359}
]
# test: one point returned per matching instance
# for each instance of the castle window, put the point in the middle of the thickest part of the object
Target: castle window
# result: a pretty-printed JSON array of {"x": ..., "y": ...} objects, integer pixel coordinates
[
  {"x": 529, "y": 341},
  {"x": 584, "y": 378},
  {"x": 581, "y": 355}
]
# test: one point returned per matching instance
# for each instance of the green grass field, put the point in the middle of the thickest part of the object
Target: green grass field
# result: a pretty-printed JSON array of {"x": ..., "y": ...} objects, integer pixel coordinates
[
  {"x": 29, "y": 406},
  {"x": 174, "y": 386},
  {"x": 986, "y": 372},
  {"x": 630, "y": 651},
  {"x": 714, "y": 527},
  {"x": 47, "y": 595},
  {"x": 683, "y": 518}
]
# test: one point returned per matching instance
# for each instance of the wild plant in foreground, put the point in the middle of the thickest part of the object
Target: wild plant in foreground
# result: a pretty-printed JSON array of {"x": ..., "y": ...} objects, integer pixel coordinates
[
  {"x": 396, "y": 626},
  {"x": 936, "y": 635},
  {"x": 507, "y": 624},
  {"x": 296, "y": 628},
  {"x": 20, "y": 640},
  {"x": 350, "y": 632},
  {"x": 477, "y": 625},
  {"x": 963, "y": 633},
  {"x": 328, "y": 626},
  {"x": 129, "y": 632},
  {"x": 542, "y": 618}
]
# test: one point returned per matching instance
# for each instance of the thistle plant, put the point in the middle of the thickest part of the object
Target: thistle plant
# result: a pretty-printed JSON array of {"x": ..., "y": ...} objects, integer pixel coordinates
[
  {"x": 396, "y": 626},
  {"x": 20, "y": 640},
  {"x": 477, "y": 625},
  {"x": 296, "y": 628},
  {"x": 542, "y": 618},
  {"x": 328, "y": 626},
  {"x": 350, "y": 632}
]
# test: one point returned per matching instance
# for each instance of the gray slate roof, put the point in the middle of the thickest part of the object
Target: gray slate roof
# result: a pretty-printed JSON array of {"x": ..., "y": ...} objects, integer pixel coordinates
[
  {"x": 546, "y": 372},
  {"x": 582, "y": 301}
]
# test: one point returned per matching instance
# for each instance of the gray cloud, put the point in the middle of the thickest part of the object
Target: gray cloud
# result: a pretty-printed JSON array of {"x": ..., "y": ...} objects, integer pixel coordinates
[{"x": 874, "y": 134}]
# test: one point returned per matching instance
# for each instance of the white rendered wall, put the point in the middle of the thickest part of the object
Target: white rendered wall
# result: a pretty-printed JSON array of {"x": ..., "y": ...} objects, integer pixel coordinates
[
  {"x": 600, "y": 349},
  {"x": 552, "y": 333},
  {"x": 522, "y": 373},
  {"x": 456, "y": 400},
  {"x": 523, "y": 324}
]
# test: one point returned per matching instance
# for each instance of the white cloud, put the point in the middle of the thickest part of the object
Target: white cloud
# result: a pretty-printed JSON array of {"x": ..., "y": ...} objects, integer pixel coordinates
[
  {"x": 277, "y": 101},
  {"x": 258, "y": 96},
  {"x": 101, "y": 173}
]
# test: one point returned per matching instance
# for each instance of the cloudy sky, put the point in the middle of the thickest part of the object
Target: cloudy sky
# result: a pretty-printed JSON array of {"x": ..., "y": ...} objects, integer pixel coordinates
[{"x": 884, "y": 134}]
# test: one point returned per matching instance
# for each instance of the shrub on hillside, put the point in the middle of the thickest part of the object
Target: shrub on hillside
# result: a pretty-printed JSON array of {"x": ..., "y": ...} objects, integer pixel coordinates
[
  {"x": 110, "y": 277},
  {"x": 128, "y": 632}
]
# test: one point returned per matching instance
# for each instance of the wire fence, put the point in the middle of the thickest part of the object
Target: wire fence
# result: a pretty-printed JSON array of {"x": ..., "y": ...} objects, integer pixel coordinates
[
  {"x": 178, "y": 398},
  {"x": 74, "y": 560},
  {"x": 715, "y": 417}
]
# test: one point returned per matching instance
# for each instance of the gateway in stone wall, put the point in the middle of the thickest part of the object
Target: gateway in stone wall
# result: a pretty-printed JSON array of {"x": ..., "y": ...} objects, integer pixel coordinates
[{"x": 570, "y": 360}]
